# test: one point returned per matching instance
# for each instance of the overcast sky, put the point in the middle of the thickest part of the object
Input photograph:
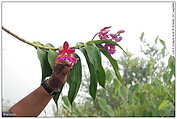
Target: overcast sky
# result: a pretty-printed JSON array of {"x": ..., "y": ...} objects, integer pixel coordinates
[{"x": 72, "y": 22}]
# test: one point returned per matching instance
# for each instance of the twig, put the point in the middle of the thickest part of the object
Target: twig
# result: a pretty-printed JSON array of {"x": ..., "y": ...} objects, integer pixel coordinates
[
  {"x": 94, "y": 36},
  {"x": 27, "y": 42}
]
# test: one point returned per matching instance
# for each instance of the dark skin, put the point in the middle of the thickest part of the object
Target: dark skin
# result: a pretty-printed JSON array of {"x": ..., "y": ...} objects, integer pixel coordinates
[{"x": 35, "y": 102}]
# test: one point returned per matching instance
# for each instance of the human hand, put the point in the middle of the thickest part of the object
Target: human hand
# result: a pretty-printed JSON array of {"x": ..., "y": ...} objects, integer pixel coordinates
[{"x": 59, "y": 75}]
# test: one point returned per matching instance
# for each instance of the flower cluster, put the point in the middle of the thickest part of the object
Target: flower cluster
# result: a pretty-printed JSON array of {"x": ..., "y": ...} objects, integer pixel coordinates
[
  {"x": 104, "y": 35},
  {"x": 66, "y": 54}
]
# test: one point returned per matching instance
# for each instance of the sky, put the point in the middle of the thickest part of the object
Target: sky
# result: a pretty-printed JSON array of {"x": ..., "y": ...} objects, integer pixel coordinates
[{"x": 73, "y": 22}]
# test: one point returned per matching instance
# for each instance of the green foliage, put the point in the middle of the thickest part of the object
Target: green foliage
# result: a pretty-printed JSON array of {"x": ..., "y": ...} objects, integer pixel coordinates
[
  {"x": 113, "y": 63},
  {"x": 46, "y": 70},
  {"x": 46, "y": 58},
  {"x": 74, "y": 81},
  {"x": 51, "y": 58},
  {"x": 171, "y": 64},
  {"x": 105, "y": 107},
  {"x": 149, "y": 88},
  {"x": 66, "y": 101},
  {"x": 95, "y": 59},
  {"x": 56, "y": 97},
  {"x": 93, "y": 77},
  {"x": 92, "y": 54}
]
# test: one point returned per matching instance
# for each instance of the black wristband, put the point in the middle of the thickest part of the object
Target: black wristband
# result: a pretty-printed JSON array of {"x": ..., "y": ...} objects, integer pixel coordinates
[{"x": 49, "y": 89}]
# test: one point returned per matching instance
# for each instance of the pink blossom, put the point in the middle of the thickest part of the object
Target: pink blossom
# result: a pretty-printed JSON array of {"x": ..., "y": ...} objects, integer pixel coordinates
[
  {"x": 66, "y": 54},
  {"x": 110, "y": 48}
]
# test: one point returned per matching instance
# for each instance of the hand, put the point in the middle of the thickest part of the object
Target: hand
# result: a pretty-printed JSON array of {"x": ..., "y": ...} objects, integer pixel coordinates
[{"x": 59, "y": 75}]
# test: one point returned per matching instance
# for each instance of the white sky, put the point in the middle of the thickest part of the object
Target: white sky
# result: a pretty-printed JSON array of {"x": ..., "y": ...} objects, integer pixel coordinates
[{"x": 72, "y": 22}]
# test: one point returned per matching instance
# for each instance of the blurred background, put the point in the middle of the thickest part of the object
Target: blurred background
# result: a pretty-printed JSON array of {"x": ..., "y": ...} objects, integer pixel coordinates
[{"x": 148, "y": 70}]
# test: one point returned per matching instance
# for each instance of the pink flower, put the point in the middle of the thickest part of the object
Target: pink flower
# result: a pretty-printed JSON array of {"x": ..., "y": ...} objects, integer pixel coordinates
[
  {"x": 110, "y": 48},
  {"x": 105, "y": 30},
  {"x": 115, "y": 37},
  {"x": 66, "y": 54},
  {"x": 103, "y": 35}
]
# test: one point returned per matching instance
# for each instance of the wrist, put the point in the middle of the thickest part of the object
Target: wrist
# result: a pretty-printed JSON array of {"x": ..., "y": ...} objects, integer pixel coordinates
[
  {"x": 54, "y": 83},
  {"x": 48, "y": 85}
]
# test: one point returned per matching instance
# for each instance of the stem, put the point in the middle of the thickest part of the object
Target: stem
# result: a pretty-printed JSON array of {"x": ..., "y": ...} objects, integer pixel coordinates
[
  {"x": 94, "y": 36},
  {"x": 27, "y": 42},
  {"x": 51, "y": 48}
]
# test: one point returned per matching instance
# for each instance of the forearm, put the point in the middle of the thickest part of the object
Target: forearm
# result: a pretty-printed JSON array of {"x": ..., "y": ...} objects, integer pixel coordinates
[{"x": 33, "y": 104}]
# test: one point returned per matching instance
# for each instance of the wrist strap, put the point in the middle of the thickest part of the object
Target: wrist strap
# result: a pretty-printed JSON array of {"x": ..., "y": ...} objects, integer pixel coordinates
[{"x": 49, "y": 89}]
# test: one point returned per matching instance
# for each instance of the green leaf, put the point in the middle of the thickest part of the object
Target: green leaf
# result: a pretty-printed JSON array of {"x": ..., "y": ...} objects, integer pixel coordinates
[
  {"x": 117, "y": 86},
  {"x": 49, "y": 45},
  {"x": 123, "y": 92},
  {"x": 46, "y": 70},
  {"x": 105, "y": 107},
  {"x": 93, "y": 78},
  {"x": 75, "y": 78},
  {"x": 113, "y": 63},
  {"x": 142, "y": 36},
  {"x": 95, "y": 58},
  {"x": 37, "y": 43},
  {"x": 66, "y": 102},
  {"x": 171, "y": 64},
  {"x": 106, "y": 41},
  {"x": 56, "y": 97},
  {"x": 156, "y": 39},
  {"x": 164, "y": 104},
  {"x": 162, "y": 42},
  {"x": 51, "y": 58},
  {"x": 109, "y": 75},
  {"x": 167, "y": 76}
]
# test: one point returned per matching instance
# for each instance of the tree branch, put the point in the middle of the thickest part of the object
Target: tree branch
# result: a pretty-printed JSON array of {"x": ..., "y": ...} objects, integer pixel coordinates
[{"x": 27, "y": 42}]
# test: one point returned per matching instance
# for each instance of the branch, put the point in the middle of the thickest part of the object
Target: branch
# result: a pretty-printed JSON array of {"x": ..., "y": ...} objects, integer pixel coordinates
[{"x": 27, "y": 42}]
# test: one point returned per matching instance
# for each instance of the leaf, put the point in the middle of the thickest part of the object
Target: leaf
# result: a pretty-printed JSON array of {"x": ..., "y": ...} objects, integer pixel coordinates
[
  {"x": 45, "y": 66},
  {"x": 162, "y": 42},
  {"x": 66, "y": 102},
  {"x": 51, "y": 55},
  {"x": 106, "y": 41},
  {"x": 51, "y": 58},
  {"x": 49, "y": 45},
  {"x": 37, "y": 43},
  {"x": 123, "y": 92},
  {"x": 109, "y": 75},
  {"x": 156, "y": 39},
  {"x": 167, "y": 76},
  {"x": 142, "y": 36},
  {"x": 113, "y": 63},
  {"x": 105, "y": 107},
  {"x": 117, "y": 86},
  {"x": 75, "y": 78},
  {"x": 56, "y": 97},
  {"x": 95, "y": 58},
  {"x": 164, "y": 104},
  {"x": 93, "y": 78},
  {"x": 171, "y": 64}
]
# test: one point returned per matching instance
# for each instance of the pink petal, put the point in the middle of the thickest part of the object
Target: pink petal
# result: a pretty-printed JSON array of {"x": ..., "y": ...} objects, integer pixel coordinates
[
  {"x": 105, "y": 28},
  {"x": 62, "y": 51},
  {"x": 120, "y": 31},
  {"x": 70, "y": 51},
  {"x": 117, "y": 39},
  {"x": 65, "y": 45},
  {"x": 113, "y": 35},
  {"x": 111, "y": 51}
]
